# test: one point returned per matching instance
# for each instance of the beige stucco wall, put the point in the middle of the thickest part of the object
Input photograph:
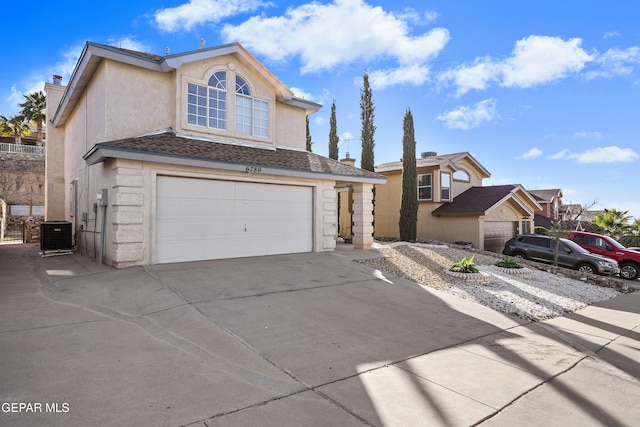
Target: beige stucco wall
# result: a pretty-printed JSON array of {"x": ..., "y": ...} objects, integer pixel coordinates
[
  {"x": 137, "y": 101},
  {"x": 389, "y": 198},
  {"x": 54, "y": 190},
  {"x": 281, "y": 115},
  {"x": 455, "y": 229}
]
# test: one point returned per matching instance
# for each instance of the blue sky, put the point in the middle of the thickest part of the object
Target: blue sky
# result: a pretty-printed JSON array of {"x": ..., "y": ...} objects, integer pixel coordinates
[{"x": 543, "y": 93}]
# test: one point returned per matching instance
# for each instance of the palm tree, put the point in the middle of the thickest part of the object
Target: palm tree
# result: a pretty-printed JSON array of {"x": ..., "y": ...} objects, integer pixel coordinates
[
  {"x": 14, "y": 126},
  {"x": 613, "y": 221},
  {"x": 34, "y": 110}
]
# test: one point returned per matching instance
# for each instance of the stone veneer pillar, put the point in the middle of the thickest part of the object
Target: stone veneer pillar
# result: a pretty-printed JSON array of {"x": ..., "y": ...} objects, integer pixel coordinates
[
  {"x": 127, "y": 217},
  {"x": 329, "y": 218},
  {"x": 362, "y": 216}
]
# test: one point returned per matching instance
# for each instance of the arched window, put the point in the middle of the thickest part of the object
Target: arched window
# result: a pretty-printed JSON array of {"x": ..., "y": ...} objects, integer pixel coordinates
[
  {"x": 207, "y": 105},
  {"x": 252, "y": 115},
  {"x": 461, "y": 175}
]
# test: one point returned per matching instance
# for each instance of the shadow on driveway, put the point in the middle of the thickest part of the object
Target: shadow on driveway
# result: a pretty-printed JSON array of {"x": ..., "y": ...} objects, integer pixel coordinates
[{"x": 305, "y": 339}]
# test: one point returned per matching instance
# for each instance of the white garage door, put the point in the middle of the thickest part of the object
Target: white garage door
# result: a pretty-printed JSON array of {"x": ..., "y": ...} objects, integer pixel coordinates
[{"x": 199, "y": 219}]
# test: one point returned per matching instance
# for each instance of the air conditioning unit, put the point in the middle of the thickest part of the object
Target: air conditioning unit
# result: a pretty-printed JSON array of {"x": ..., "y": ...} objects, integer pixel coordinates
[{"x": 55, "y": 236}]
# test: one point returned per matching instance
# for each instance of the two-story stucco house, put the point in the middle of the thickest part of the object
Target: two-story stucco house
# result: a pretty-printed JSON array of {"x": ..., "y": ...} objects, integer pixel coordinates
[
  {"x": 453, "y": 204},
  {"x": 551, "y": 202},
  {"x": 191, "y": 156}
]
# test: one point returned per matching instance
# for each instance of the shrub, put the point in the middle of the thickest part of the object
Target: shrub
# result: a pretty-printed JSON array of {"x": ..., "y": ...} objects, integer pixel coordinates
[
  {"x": 465, "y": 266},
  {"x": 508, "y": 262}
]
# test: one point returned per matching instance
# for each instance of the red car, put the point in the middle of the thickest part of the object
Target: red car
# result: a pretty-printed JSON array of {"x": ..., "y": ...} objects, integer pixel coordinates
[{"x": 628, "y": 260}]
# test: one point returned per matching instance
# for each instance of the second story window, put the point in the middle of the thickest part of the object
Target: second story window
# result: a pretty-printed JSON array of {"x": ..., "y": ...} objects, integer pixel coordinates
[
  {"x": 252, "y": 115},
  {"x": 425, "y": 187},
  {"x": 207, "y": 105},
  {"x": 445, "y": 186}
]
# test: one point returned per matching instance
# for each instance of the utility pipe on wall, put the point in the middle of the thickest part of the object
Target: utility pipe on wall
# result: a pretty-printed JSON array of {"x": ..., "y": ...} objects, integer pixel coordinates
[{"x": 102, "y": 202}]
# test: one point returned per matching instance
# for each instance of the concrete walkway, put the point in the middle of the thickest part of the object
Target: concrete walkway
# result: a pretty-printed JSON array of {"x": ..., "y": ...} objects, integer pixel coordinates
[{"x": 295, "y": 340}]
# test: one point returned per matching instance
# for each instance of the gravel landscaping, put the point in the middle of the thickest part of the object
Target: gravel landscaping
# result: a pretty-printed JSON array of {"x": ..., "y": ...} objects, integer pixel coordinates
[{"x": 535, "y": 296}]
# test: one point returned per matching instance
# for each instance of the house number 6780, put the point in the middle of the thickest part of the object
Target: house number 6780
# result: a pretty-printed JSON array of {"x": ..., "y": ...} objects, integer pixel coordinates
[{"x": 253, "y": 169}]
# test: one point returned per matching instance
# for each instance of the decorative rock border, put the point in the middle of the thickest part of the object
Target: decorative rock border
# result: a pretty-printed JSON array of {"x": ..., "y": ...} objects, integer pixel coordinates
[
  {"x": 519, "y": 272},
  {"x": 480, "y": 277}
]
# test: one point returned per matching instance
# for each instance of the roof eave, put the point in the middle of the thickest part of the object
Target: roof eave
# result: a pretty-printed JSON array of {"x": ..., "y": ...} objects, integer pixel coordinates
[
  {"x": 100, "y": 153},
  {"x": 89, "y": 60}
]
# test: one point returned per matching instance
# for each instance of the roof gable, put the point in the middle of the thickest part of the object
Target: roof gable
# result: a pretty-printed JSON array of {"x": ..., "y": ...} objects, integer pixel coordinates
[
  {"x": 481, "y": 200},
  {"x": 440, "y": 162},
  {"x": 546, "y": 196},
  {"x": 94, "y": 53}
]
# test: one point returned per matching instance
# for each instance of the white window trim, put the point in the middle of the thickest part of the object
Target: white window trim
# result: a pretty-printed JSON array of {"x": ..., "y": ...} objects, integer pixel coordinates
[
  {"x": 424, "y": 186},
  {"x": 442, "y": 198}
]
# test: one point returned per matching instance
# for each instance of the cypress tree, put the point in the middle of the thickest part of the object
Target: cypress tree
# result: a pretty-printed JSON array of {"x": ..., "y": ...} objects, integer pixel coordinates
[
  {"x": 409, "y": 206},
  {"x": 368, "y": 129},
  {"x": 309, "y": 143},
  {"x": 333, "y": 133}
]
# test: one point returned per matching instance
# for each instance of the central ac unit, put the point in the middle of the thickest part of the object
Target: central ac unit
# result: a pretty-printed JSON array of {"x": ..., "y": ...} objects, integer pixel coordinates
[{"x": 55, "y": 236}]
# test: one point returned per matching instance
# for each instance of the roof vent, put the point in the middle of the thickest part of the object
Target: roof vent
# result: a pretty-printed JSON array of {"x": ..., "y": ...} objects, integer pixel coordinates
[
  {"x": 426, "y": 154},
  {"x": 57, "y": 80}
]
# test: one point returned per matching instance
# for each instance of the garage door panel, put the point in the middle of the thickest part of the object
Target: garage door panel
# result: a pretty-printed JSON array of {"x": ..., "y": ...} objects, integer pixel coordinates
[
  {"x": 205, "y": 219},
  {"x": 496, "y": 234}
]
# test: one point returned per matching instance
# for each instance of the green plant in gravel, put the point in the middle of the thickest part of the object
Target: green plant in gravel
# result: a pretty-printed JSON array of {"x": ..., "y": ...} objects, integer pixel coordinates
[
  {"x": 465, "y": 266},
  {"x": 508, "y": 262}
]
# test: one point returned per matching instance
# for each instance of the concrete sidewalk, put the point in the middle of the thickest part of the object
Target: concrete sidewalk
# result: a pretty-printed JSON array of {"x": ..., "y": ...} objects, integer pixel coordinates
[{"x": 295, "y": 340}]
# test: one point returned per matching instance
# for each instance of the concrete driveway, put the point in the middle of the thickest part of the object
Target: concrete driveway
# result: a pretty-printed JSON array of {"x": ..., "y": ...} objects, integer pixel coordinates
[{"x": 294, "y": 340}]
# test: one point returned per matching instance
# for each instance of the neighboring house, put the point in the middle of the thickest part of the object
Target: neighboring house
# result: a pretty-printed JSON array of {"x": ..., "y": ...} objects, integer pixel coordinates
[
  {"x": 454, "y": 206},
  {"x": 201, "y": 155},
  {"x": 551, "y": 202}
]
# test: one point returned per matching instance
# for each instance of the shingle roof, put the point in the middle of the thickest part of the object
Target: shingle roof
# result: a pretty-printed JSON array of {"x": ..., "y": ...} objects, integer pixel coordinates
[
  {"x": 476, "y": 200},
  {"x": 169, "y": 145},
  {"x": 435, "y": 160}
]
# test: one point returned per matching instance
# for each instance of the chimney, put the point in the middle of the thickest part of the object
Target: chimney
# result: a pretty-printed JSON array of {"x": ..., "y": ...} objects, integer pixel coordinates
[
  {"x": 426, "y": 154},
  {"x": 348, "y": 160},
  {"x": 57, "y": 80}
]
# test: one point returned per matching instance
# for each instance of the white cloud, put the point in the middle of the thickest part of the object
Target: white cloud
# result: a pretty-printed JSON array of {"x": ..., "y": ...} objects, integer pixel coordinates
[
  {"x": 341, "y": 32},
  {"x": 128, "y": 42},
  {"x": 319, "y": 120},
  {"x": 587, "y": 135},
  {"x": 415, "y": 74},
  {"x": 534, "y": 152},
  {"x": 610, "y": 34},
  {"x": 611, "y": 154},
  {"x": 465, "y": 118},
  {"x": 540, "y": 59},
  {"x": 196, "y": 12},
  {"x": 301, "y": 93},
  {"x": 562, "y": 154},
  {"x": 616, "y": 62},
  {"x": 534, "y": 60},
  {"x": 474, "y": 77}
]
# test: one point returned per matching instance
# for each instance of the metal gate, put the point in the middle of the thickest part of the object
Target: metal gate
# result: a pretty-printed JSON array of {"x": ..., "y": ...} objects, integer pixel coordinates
[{"x": 13, "y": 233}]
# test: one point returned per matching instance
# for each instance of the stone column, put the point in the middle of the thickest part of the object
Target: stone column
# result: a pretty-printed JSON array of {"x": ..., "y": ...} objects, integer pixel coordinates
[
  {"x": 127, "y": 217},
  {"x": 362, "y": 216}
]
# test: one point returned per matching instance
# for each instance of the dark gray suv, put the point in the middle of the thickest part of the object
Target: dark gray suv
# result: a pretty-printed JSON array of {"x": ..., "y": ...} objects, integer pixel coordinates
[{"x": 537, "y": 247}]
